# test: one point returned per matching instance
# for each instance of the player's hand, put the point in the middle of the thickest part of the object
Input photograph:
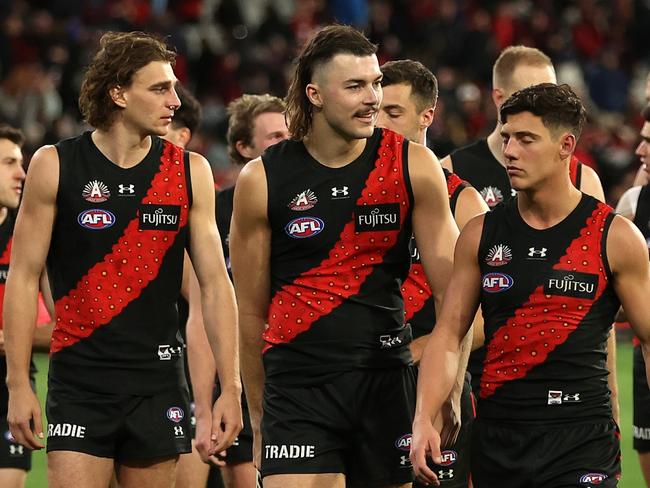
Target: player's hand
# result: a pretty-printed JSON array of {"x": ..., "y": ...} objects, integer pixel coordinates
[
  {"x": 203, "y": 442},
  {"x": 2, "y": 343},
  {"x": 226, "y": 420},
  {"x": 425, "y": 443},
  {"x": 24, "y": 417},
  {"x": 451, "y": 423}
]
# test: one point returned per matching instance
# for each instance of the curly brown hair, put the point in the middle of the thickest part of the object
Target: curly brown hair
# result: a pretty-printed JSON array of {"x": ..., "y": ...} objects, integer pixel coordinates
[{"x": 120, "y": 56}]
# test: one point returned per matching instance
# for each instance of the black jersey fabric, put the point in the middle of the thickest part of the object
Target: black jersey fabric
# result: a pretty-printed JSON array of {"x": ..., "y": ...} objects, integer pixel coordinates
[
  {"x": 224, "y": 216},
  {"x": 115, "y": 266},
  {"x": 548, "y": 304},
  {"x": 339, "y": 254}
]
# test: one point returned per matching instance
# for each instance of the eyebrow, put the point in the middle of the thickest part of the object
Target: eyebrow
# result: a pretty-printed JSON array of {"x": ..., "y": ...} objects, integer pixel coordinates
[
  {"x": 164, "y": 84},
  {"x": 362, "y": 81},
  {"x": 393, "y": 106},
  {"x": 520, "y": 133}
]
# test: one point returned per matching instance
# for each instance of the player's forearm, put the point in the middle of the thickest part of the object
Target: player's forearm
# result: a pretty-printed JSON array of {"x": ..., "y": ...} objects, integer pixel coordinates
[
  {"x": 612, "y": 378},
  {"x": 463, "y": 358},
  {"x": 19, "y": 318},
  {"x": 201, "y": 364},
  {"x": 43, "y": 337},
  {"x": 417, "y": 348},
  {"x": 252, "y": 367},
  {"x": 438, "y": 374},
  {"x": 220, "y": 318}
]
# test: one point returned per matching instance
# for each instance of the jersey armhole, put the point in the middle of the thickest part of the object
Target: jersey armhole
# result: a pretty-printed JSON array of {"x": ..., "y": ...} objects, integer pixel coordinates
[
  {"x": 188, "y": 178},
  {"x": 58, "y": 183},
  {"x": 603, "y": 244},
  {"x": 405, "y": 170}
]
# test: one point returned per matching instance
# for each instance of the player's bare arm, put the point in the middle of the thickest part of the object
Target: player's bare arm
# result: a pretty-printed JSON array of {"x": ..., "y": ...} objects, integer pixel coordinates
[
  {"x": 31, "y": 243},
  {"x": 218, "y": 303},
  {"x": 627, "y": 253},
  {"x": 250, "y": 247},
  {"x": 440, "y": 362},
  {"x": 447, "y": 163},
  {"x": 202, "y": 368}
]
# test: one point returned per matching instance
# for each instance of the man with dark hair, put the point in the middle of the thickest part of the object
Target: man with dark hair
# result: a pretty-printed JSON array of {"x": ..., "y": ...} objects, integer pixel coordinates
[
  {"x": 544, "y": 416},
  {"x": 635, "y": 205},
  {"x": 407, "y": 107},
  {"x": 112, "y": 211},
  {"x": 319, "y": 249},
  {"x": 482, "y": 164},
  {"x": 15, "y": 460}
]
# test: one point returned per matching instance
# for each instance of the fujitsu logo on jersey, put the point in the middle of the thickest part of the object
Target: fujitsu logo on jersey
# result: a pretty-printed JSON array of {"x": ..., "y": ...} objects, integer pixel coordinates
[
  {"x": 159, "y": 217},
  {"x": 497, "y": 282},
  {"x": 498, "y": 255},
  {"x": 492, "y": 195},
  {"x": 571, "y": 284},
  {"x": 96, "y": 192},
  {"x": 303, "y": 201},
  {"x": 96, "y": 219},
  {"x": 304, "y": 227},
  {"x": 413, "y": 249},
  {"x": 370, "y": 218}
]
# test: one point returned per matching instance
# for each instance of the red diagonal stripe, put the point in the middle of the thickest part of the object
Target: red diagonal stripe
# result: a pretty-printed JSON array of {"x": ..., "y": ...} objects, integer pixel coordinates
[
  {"x": 6, "y": 254},
  {"x": 134, "y": 261},
  {"x": 318, "y": 291},
  {"x": 544, "y": 321},
  {"x": 453, "y": 182}
]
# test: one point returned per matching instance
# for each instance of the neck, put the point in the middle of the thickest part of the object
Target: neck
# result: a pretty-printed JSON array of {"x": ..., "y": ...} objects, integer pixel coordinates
[
  {"x": 329, "y": 147},
  {"x": 122, "y": 146},
  {"x": 4, "y": 211},
  {"x": 549, "y": 203},
  {"x": 496, "y": 144}
]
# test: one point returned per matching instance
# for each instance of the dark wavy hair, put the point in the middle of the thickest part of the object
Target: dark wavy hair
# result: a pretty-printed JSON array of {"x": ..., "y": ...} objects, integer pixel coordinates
[
  {"x": 121, "y": 54},
  {"x": 557, "y": 106},
  {"x": 327, "y": 43},
  {"x": 424, "y": 85},
  {"x": 12, "y": 134}
]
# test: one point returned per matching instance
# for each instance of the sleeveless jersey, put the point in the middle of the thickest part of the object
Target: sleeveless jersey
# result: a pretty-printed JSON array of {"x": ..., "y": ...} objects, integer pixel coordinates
[
  {"x": 548, "y": 304},
  {"x": 419, "y": 305},
  {"x": 476, "y": 164},
  {"x": 339, "y": 254},
  {"x": 6, "y": 235},
  {"x": 642, "y": 221},
  {"x": 115, "y": 266},
  {"x": 224, "y": 203}
]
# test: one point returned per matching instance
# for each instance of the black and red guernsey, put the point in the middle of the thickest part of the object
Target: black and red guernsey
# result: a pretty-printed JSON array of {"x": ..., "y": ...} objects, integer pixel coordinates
[
  {"x": 419, "y": 306},
  {"x": 476, "y": 164},
  {"x": 548, "y": 304},
  {"x": 6, "y": 239},
  {"x": 339, "y": 254},
  {"x": 115, "y": 265}
]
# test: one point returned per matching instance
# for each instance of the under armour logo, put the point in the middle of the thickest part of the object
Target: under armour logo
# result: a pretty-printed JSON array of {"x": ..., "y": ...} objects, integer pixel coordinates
[
  {"x": 336, "y": 192},
  {"x": 537, "y": 253},
  {"x": 442, "y": 474},
  {"x": 178, "y": 431},
  {"x": 571, "y": 398},
  {"x": 129, "y": 189},
  {"x": 16, "y": 450}
]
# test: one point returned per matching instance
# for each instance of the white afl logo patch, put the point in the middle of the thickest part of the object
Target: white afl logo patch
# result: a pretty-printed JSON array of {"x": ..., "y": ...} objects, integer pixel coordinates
[
  {"x": 96, "y": 219},
  {"x": 304, "y": 227}
]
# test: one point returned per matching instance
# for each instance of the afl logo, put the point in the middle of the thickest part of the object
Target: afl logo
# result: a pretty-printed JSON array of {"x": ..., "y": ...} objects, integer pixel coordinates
[
  {"x": 175, "y": 414},
  {"x": 448, "y": 458},
  {"x": 497, "y": 282},
  {"x": 593, "y": 478},
  {"x": 96, "y": 219},
  {"x": 404, "y": 443},
  {"x": 304, "y": 227}
]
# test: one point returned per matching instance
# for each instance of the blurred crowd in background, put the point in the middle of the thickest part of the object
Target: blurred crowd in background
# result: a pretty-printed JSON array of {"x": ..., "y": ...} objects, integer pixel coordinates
[{"x": 230, "y": 47}]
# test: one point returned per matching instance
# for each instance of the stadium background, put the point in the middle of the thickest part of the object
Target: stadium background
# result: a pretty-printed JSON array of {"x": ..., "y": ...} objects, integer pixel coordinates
[{"x": 230, "y": 47}]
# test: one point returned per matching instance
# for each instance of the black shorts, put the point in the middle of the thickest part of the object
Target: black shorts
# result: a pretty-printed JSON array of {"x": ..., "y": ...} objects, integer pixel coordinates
[
  {"x": 641, "y": 396},
  {"x": 454, "y": 472},
  {"x": 241, "y": 450},
  {"x": 560, "y": 456},
  {"x": 122, "y": 427},
  {"x": 12, "y": 454},
  {"x": 358, "y": 424}
]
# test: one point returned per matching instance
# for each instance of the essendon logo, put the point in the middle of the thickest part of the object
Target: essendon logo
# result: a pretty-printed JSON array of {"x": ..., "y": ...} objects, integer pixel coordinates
[
  {"x": 498, "y": 255},
  {"x": 159, "y": 217},
  {"x": 571, "y": 284},
  {"x": 492, "y": 196},
  {"x": 497, "y": 282},
  {"x": 303, "y": 201},
  {"x": 369, "y": 218},
  {"x": 304, "y": 227},
  {"x": 96, "y": 219},
  {"x": 448, "y": 458}
]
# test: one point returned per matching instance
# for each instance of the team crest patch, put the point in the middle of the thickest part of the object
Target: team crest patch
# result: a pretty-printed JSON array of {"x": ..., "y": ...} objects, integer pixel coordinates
[
  {"x": 499, "y": 255},
  {"x": 303, "y": 201},
  {"x": 96, "y": 192},
  {"x": 492, "y": 195}
]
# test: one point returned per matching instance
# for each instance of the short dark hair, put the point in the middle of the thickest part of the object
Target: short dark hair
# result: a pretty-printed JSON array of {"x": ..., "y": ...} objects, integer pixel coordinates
[
  {"x": 557, "y": 105},
  {"x": 121, "y": 54},
  {"x": 646, "y": 113},
  {"x": 189, "y": 113},
  {"x": 241, "y": 118},
  {"x": 11, "y": 133},
  {"x": 424, "y": 86},
  {"x": 327, "y": 43}
]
